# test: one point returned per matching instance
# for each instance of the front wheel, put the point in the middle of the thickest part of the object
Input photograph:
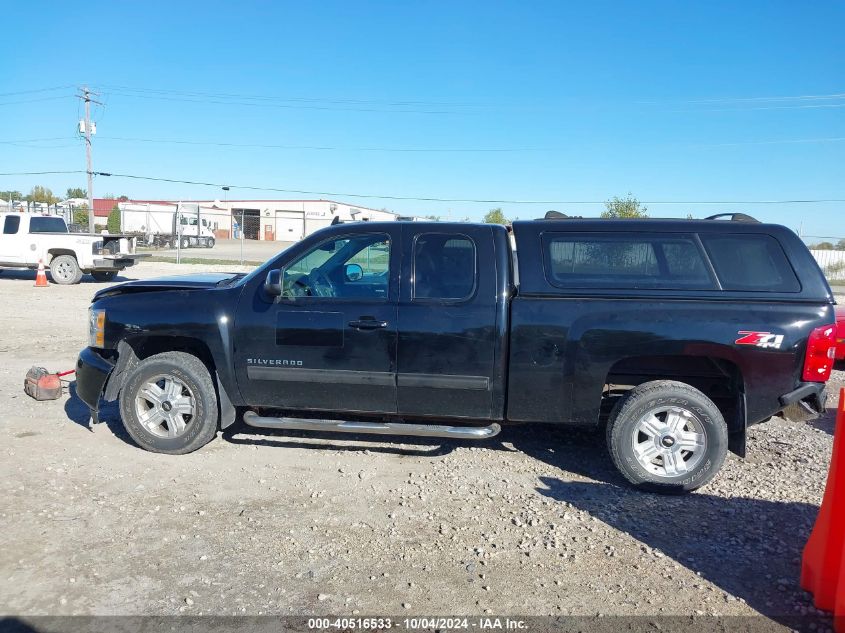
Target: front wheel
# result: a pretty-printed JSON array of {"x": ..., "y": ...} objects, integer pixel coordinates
[
  {"x": 104, "y": 275},
  {"x": 169, "y": 405},
  {"x": 667, "y": 437},
  {"x": 65, "y": 270},
  {"x": 210, "y": 242}
]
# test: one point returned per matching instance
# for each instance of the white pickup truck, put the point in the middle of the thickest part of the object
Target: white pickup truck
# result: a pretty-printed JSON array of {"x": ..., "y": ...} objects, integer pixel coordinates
[{"x": 26, "y": 239}]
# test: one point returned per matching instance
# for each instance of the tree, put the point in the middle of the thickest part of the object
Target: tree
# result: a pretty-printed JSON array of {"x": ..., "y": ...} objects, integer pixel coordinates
[
  {"x": 822, "y": 246},
  {"x": 76, "y": 192},
  {"x": 41, "y": 194},
  {"x": 113, "y": 223},
  {"x": 80, "y": 215},
  {"x": 495, "y": 216},
  {"x": 627, "y": 207},
  {"x": 14, "y": 195},
  {"x": 840, "y": 245}
]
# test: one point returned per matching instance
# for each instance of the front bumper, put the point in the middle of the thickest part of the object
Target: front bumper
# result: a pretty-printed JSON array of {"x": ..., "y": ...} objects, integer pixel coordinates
[{"x": 92, "y": 372}]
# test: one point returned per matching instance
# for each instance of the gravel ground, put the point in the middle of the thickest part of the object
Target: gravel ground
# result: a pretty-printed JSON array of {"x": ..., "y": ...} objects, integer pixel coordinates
[{"x": 534, "y": 522}]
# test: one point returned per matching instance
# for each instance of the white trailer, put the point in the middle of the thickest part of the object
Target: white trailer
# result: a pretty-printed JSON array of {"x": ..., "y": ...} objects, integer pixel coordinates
[{"x": 166, "y": 224}]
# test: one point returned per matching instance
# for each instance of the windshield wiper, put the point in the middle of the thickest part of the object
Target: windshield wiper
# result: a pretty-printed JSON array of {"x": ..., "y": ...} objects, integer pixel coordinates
[{"x": 230, "y": 280}]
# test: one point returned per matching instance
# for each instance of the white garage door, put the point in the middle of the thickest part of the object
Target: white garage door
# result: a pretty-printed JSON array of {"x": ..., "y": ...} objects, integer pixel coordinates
[{"x": 288, "y": 228}]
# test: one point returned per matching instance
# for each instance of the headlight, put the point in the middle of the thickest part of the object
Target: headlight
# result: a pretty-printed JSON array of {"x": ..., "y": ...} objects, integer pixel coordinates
[{"x": 96, "y": 328}]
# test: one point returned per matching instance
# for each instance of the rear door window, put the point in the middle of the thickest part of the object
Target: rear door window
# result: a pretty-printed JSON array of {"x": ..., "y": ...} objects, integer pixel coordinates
[
  {"x": 47, "y": 225},
  {"x": 750, "y": 262},
  {"x": 444, "y": 266},
  {"x": 623, "y": 260}
]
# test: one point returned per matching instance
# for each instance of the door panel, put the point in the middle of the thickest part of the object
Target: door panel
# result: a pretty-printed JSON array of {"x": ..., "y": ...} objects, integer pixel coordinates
[
  {"x": 447, "y": 323},
  {"x": 331, "y": 353},
  {"x": 12, "y": 241}
]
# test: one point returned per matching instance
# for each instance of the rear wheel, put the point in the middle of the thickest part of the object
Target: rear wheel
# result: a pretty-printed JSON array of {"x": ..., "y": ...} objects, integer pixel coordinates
[
  {"x": 668, "y": 437},
  {"x": 185, "y": 242},
  {"x": 169, "y": 404},
  {"x": 65, "y": 270},
  {"x": 104, "y": 275}
]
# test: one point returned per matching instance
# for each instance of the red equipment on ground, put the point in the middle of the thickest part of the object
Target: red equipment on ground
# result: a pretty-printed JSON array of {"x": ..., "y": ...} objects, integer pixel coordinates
[
  {"x": 44, "y": 385},
  {"x": 823, "y": 564}
]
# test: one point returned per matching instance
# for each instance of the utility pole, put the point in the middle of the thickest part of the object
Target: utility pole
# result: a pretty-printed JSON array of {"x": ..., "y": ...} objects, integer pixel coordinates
[{"x": 86, "y": 97}]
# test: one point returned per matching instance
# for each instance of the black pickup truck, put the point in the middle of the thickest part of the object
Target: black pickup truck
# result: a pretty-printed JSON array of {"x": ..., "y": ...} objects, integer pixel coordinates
[{"x": 675, "y": 334}]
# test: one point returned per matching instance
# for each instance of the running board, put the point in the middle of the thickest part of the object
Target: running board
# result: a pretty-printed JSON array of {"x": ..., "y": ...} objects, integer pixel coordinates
[{"x": 376, "y": 428}]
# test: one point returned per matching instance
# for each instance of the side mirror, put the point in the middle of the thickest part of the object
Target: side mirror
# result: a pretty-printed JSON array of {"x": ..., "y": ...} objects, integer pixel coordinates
[
  {"x": 273, "y": 283},
  {"x": 353, "y": 272}
]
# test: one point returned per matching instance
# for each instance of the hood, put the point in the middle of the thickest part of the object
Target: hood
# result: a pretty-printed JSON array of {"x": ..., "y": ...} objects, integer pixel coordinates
[{"x": 199, "y": 281}]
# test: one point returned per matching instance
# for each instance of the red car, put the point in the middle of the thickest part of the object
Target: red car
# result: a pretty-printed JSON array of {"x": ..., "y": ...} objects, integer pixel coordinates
[{"x": 840, "y": 333}]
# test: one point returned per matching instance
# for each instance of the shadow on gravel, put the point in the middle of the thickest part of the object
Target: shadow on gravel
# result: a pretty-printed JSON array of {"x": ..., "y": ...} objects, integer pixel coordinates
[
  {"x": 77, "y": 411},
  {"x": 23, "y": 274},
  {"x": 826, "y": 423},
  {"x": 750, "y": 548},
  {"x": 578, "y": 451}
]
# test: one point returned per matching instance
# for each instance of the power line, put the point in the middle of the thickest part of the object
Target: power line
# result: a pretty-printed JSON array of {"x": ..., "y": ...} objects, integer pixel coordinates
[
  {"x": 224, "y": 95},
  {"x": 326, "y": 147},
  {"x": 42, "y": 173},
  {"x": 36, "y": 100},
  {"x": 26, "y": 92},
  {"x": 411, "y": 198},
  {"x": 268, "y": 104},
  {"x": 433, "y": 199},
  {"x": 837, "y": 139},
  {"x": 825, "y": 97},
  {"x": 38, "y": 140}
]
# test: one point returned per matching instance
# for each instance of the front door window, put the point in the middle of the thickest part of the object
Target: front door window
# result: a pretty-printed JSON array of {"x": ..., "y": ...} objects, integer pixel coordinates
[{"x": 357, "y": 267}]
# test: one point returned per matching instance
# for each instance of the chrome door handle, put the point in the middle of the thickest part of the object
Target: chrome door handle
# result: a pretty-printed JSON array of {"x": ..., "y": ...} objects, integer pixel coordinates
[{"x": 367, "y": 324}]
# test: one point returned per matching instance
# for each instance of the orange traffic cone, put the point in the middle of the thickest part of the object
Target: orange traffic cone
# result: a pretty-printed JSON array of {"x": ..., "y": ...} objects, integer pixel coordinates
[
  {"x": 823, "y": 564},
  {"x": 41, "y": 277}
]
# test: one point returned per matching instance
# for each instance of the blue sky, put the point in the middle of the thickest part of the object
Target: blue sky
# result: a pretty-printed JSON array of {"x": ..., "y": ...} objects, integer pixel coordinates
[{"x": 577, "y": 101}]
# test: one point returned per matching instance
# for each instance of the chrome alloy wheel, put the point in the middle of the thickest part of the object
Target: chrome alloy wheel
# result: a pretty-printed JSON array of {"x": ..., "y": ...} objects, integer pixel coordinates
[
  {"x": 669, "y": 441},
  {"x": 165, "y": 406},
  {"x": 64, "y": 270}
]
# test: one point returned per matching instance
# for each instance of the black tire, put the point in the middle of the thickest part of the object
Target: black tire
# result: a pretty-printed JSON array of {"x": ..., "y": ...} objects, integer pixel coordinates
[
  {"x": 65, "y": 270},
  {"x": 210, "y": 243},
  {"x": 199, "y": 427},
  {"x": 185, "y": 242},
  {"x": 695, "y": 414},
  {"x": 104, "y": 275}
]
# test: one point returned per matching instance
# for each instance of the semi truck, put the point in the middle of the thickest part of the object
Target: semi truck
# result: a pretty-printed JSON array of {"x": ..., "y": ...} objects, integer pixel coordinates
[{"x": 167, "y": 225}]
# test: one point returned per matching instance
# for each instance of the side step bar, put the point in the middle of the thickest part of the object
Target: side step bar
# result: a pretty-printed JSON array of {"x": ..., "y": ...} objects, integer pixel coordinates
[{"x": 376, "y": 428}]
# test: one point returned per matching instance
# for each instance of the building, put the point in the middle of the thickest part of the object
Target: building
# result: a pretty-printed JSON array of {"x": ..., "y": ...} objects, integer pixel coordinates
[
  {"x": 279, "y": 220},
  {"x": 291, "y": 220}
]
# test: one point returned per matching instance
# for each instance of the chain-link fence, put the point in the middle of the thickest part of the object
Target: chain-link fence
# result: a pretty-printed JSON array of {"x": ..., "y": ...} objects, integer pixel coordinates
[{"x": 832, "y": 263}]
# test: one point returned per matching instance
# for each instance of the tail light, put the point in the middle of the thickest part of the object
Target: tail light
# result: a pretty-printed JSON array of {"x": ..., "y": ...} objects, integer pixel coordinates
[{"x": 821, "y": 347}]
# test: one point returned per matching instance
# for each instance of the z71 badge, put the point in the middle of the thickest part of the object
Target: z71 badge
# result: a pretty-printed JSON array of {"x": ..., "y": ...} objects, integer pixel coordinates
[{"x": 760, "y": 339}]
